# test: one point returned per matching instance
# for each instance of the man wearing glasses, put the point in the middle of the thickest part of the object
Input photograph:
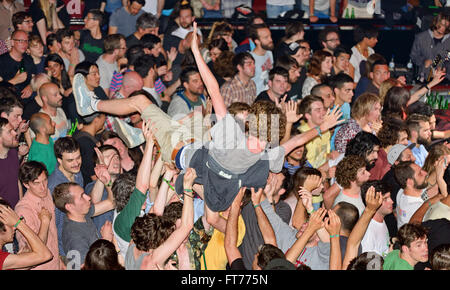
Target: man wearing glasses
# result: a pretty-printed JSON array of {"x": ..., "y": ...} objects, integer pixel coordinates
[
  {"x": 17, "y": 66},
  {"x": 329, "y": 39}
]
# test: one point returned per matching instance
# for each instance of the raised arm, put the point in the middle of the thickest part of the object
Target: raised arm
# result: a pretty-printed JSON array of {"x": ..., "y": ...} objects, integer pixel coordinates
[
  {"x": 331, "y": 119},
  {"x": 315, "y": 223},
  {"x": 39, "y": 251},
  {"x": 263, "y": 222},
  {"x": 373, "y": 202},
  {"x": 208, "y": 78},
  {"x": 231, "y": 232},
  {"x": 144, "y": 171},
  {"x": 438, "y": 76},
  {"x": 164, "y": 251},
  {"x": 161, "y": 198},
  {"x": 333, "y": 227}
]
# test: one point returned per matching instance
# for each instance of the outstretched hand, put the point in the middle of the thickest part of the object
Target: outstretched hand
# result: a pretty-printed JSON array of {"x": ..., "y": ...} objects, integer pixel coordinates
[
  {"x": 331, "y": 119},
  {"x": 291, "y": 112},
  {"x": 373, "y": 199}
]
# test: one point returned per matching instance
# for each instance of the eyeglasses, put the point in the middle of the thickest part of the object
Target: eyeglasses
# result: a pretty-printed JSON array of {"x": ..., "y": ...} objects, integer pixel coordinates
[{"x": 21, "y": 40}]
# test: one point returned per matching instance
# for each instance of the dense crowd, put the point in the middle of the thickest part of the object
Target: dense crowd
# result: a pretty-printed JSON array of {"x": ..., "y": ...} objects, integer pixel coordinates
[{"x": 142, "y": 142}]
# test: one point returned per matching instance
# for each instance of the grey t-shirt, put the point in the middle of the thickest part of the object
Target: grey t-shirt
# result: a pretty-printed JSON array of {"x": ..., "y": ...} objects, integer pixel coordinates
[
  {"x": 229, "y": 148},
  {"x": 78, "y": 236},
  {"x": 358, "y": 202},
  {"x": 124, "y": 21},
  {"x": 106, "y": 70}
]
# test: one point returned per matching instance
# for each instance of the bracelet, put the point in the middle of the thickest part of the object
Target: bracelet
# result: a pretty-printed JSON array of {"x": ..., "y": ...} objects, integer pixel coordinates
[
  {"x": 256, "y": 205},
  {"x": 185, "y": 193},
  {"x": 168, "y": 183},
  {"x": 310, "y": 212},
  {"x": 188, "y": 190},
  {"x": 108, "y": 184},
  {"x": 18, "y": 222},
  {"x": 334, "y": 236},
  {"x": 319, "y": 131}
]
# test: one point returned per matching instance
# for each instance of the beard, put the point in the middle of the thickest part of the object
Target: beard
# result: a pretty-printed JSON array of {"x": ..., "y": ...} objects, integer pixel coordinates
[
  {"x": 423, "y": 141},
  {"x": 370, "y": 165},
  {"x": 267, "y": 46},
  {"x": 420, "y": 186}
]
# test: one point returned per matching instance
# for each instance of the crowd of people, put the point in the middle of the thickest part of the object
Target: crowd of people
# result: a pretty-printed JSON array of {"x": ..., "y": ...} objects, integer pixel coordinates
[{"x": 143, "y": 142}]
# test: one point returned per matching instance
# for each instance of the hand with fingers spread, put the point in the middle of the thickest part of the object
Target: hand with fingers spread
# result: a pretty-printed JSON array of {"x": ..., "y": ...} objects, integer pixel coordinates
[
  {"x": 281, "y": 103},
  {"x": 189, "y": 178},
  {"x": 438, "y": 76},
  {"x": 291, "y": 112},
  {"x": 331, "y": 119},
  {"x": 270, "y": 187},
  {"x": 172, "y": 54},
  {"x": 149, "y": 131}
]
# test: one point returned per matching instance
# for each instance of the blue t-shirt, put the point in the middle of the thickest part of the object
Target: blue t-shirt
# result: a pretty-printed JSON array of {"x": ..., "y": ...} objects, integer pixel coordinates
[
  {"x": 124, "y": 21},
  {"x": 420, "y": 153}
]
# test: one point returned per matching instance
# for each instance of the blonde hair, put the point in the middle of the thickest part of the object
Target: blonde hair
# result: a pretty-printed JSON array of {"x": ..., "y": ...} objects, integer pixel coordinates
[
  {"x": 363, "y": 105},
  {"x": 433, "y": 155},
  {"x": 47, "y": 10}
]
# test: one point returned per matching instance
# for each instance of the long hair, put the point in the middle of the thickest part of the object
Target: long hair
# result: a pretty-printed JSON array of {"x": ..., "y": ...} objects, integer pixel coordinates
[
  {"x": 102, "y": 255},
  {"x": 46, "y": 9},
  {"x": 315, "y": 67},
  {"x": 65, "y": 79}
]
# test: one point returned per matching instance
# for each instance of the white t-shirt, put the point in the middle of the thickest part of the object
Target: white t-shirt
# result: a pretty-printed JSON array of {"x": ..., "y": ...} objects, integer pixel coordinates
[
  {"x": 406, "y": 207},
  {"x": 356, "y": 59},
  {"x": 62, "y": 125},
  {"x": 376, "y": 238},
  {"x": 437, "y": 211},
  {"x": 263, "y": 64}
]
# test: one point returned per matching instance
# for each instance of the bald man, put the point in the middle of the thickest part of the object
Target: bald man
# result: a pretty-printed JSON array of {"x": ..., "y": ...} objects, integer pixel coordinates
[
  {"x": 35, "y": 104},
  {"x": 51, "y": 105},
  {"x": 42, "y": 146},
  {"x": 132, "y": 82}
]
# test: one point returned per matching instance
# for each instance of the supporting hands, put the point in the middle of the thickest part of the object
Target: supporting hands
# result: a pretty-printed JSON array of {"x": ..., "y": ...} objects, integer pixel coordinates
[
  {"x": 373, "y": 200},
  {"x": 189, "y": 178},
  {"x": 332, "y": 223}
]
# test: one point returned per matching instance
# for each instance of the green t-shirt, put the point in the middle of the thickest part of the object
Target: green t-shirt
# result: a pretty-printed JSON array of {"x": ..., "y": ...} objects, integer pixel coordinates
[
  {"x": 394, "y": 262},
  {"x": 126, "y": 217},
  {"x": 43, "y": 153}
]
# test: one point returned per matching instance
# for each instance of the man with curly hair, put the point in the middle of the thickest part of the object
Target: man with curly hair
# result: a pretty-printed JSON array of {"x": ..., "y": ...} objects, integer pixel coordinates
[{"x": 351, "y": 174}]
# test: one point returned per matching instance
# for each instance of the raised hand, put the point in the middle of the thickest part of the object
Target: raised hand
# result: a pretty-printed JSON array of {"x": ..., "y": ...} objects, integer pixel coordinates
[
  {"x": 312, "y": 182},
  {"x": 189, "y": 177},
  {"x": 172, "y": 54},
  {"x": 332, "y": 223},
  {"x": 149, "y": 132},
  {"x": 373, "y": 199},
  {"x": 8, "y": 216},
  {"x": 438, "y": 76},
  {"x": 316, "y": 219},
  {"x": 256, "y": 196},
  {"x": 331, "y": 119},
  {"x": 306, "y": 198},
  {"x": 291, "y": 112}
]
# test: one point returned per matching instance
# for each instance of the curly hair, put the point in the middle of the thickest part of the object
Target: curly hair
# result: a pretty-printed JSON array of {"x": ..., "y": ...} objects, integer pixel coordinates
[
  {"x": 122, "y": 189},
  {"x": 224, "y": 64},
  {"x": 362, "y": 144},
  {"x": 266, "y": 120},
  {"x": 389, "y": 132},
  {"x": 173, "y": 211},
  {"x": 347, "y": 169},
  {"x": 150, "y": 231}
]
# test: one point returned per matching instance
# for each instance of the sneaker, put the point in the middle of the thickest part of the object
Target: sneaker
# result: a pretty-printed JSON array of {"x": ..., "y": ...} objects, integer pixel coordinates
[
  {"x": 82, "y": 95},
  {"x": 132, "y": 136}
]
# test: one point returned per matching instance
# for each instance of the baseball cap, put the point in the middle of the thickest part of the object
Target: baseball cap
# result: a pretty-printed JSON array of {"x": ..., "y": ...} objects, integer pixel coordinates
[{"x": 396, "y": 150}]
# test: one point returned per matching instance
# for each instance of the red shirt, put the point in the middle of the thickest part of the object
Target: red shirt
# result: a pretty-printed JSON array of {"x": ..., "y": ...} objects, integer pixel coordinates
[
  {"x": 382, "y": 166},
  {"x": 3, "y": 256}
]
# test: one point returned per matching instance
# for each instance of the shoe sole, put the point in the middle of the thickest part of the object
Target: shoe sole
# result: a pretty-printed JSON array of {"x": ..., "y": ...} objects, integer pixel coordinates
[
  {"x": 121, "y": 130},
  {"x": 79, "y": 89}
]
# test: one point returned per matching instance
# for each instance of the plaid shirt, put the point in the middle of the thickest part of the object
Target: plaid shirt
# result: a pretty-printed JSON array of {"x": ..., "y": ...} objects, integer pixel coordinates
[
  {"x": 109, "y": 122},
  {"x": 234, "y": 90}
]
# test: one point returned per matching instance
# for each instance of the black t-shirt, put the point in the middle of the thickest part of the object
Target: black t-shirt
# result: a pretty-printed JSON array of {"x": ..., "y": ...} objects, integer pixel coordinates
[
  {"x": 30, "y": 108},
  {"x": 263, "y": 96},
  {"x": 92, "y": 48},
  {"x": 132, "y": 40},
  {"x": 238, "y": 264},
  {"x": 10, "y": 67},
  {"x": 37, "y": 14},
  {"x": 87, "y": 145}
]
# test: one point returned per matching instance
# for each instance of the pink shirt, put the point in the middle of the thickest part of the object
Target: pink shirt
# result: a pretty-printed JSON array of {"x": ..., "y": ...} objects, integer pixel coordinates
[{"x": 29, "y": 207}]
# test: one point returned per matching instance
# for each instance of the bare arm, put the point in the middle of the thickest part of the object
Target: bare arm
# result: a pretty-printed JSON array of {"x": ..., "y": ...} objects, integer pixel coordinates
[
  {"x": 161, "y": 198},
  {"x": 333, "y": 227},
  {"x": 315, "y": 223},
  {"x": 231, "y": 232},
  {"x": 208, "y": 78},
  {"x": 373, "y": 202},
  {"x": 263, "y": 222},
  {"x": 439, "y": 76},
  {"x": 39, "y": 252}
]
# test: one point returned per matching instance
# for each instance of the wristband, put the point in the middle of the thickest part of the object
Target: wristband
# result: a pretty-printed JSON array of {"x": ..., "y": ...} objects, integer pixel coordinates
[
  {"x": 186, "y": 193},
  {"x": 109, "y": 183},
  {"x": 256, "y": 205},
  {"x": 310, "y": 212},
  {"x": 18, "y": 222},
  {"x": 188, "y": 190},
  {"x": 334, "y": 236},
  {"x": 168, "y": 183}
]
